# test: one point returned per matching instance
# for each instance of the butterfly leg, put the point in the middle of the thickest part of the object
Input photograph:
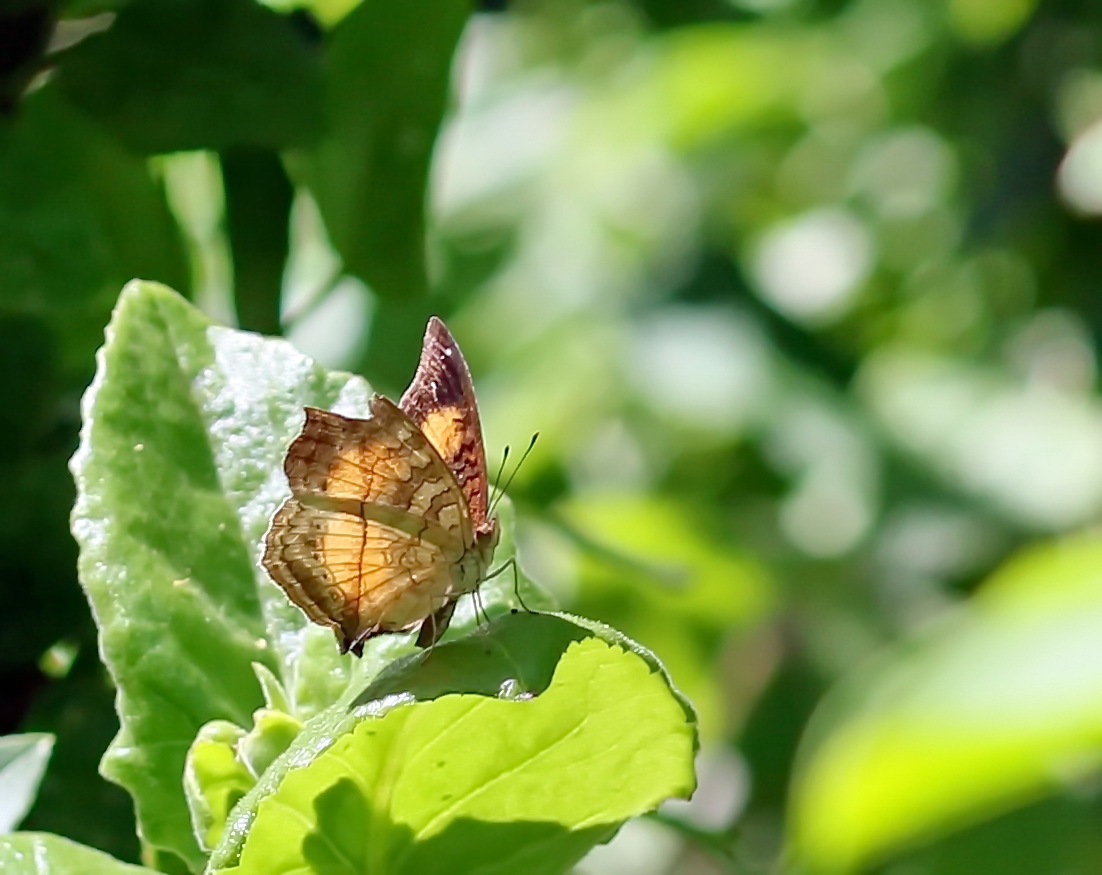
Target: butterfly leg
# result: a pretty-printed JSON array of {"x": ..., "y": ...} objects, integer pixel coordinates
[
  {"x": 436, "y": 624},
  {"x": 479, "y": 607},
  {"x": 511, "y": 563},
  {"x": 356, "y": 645}
]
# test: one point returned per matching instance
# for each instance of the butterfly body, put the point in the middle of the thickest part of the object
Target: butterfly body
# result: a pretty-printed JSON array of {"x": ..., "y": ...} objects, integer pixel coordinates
[{"x": 388, "y": 525}]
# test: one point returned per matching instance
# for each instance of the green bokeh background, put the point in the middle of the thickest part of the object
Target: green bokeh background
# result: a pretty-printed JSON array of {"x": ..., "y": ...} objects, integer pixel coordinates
[{"x": 803, "y": 298}]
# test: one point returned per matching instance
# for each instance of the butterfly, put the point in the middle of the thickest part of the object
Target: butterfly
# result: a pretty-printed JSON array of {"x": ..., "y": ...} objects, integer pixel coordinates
[{"x": 388, "y": 522}]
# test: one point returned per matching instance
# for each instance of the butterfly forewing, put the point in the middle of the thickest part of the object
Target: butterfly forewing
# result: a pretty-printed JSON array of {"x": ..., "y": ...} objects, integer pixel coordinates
[
  {"x": 372, "y": 466},
  {"x": 441, "y": 400}
]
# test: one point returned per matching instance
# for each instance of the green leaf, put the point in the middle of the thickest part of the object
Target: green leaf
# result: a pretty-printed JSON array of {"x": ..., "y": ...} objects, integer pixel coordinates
[
  {"x": 65, "y": 187},
  {"x": 23, "y": 761},
  {"x": 271, "y": 735},
  {"x": 275, "y": 697},
  {"x": 653, "y": 567},
  {"x": 214, "y": 779},
  {"x": 1055, "y": 834},
  {"x": 178, "y": 472},
  {"x": 513, "y": 656},
  {"x": 985, "y": 23},
  {"x": 223, "y": 764},
  {"x": 518, "y": 651},
  {"x": 33, "y": 853},
  {"x": 387, "y": 73},
  {"x": 258, "y": 219},
  {"x": 547, "y": 778},
  {"x": 170, "y": 75},
  {"x": 991, "y": 707},
  {"x": 327, "y": 12}
]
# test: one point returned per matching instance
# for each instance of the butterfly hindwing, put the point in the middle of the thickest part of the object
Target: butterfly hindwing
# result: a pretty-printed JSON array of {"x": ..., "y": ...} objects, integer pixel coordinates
[{"x": 359, "y": 577}]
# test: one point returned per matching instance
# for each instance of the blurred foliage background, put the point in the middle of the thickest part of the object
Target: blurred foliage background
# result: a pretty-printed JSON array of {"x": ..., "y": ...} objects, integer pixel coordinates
[{"x": 803, "y": 298}]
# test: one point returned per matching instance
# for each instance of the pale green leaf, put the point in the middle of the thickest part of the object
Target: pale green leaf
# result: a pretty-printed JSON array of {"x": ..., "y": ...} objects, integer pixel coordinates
[
  {"x": 503, "y": 784},
  {"x": 36, "y": 853},
  {"x": 178, "y": 472},
  {"x": 995, "y": 705},
  {"x": 23, "y": 761}
]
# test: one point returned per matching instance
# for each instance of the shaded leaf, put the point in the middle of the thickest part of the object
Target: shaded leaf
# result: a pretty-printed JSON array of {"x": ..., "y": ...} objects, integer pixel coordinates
[
  {"x": 1056, "y": 834},
  {"x": 387, "y": 73},
  {"x": 170, "y": 75},
  {"x": 79, "y": 216},
  {"x": 258, "y": 219}
]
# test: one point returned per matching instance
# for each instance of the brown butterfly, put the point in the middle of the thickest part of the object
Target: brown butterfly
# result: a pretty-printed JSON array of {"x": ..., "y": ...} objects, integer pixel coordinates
[{"x": 388, "y": 522}]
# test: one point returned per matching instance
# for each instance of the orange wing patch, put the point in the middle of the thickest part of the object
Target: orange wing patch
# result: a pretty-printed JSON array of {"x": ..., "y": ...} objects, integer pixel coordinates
[{"x": 444, "y": 429}]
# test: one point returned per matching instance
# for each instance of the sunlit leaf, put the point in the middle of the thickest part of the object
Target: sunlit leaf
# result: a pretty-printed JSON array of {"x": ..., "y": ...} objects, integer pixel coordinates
[
  {"x": 23, "y": 761},
  {"x": 991, "y": 707},
  {"x": 512, "y": 657},
  {"x": 195, "y": 419},
  {"x": 178, "y": 471},
  {"x": 548, "y": 777},
  {"x": 34, "y": 853}
]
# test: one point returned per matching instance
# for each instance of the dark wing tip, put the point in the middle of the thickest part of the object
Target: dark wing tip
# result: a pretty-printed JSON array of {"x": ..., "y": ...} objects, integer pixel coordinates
[
  {"x": 436, "y": 332},
  {"x": 435, "y": 324}
]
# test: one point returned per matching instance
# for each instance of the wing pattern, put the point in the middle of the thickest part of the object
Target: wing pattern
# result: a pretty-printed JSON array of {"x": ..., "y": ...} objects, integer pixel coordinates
[{"x": 374, "y": 467}]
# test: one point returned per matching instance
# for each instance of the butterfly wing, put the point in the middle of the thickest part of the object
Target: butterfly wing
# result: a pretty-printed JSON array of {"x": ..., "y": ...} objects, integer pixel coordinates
[
  {"x": 381, "y": 468},
  {"x": 376, "y": 524},
  {"x": 359, "y": 577},
  {"x": 388, "y": 513},
  {"x": 441, "y": 401}
]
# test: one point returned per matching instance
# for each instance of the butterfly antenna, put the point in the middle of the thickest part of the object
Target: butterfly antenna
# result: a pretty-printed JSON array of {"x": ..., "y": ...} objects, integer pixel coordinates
[
  {"x": 497, "y": 479},
  {"x": 501, "y": 490}
]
